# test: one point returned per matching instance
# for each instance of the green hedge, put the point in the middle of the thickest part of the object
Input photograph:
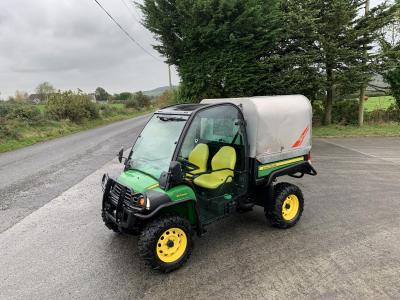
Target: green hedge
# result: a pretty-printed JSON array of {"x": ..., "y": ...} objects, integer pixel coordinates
[{"x": 72, "y": 106}]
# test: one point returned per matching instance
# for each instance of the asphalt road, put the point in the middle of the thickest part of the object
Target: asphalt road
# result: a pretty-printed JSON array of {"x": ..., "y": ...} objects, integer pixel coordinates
[
  {"x": 347, "y": 245},
  {"x": 32, "y": 176}
]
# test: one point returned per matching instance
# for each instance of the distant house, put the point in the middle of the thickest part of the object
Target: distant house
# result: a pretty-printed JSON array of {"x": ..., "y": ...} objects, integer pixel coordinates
[
  {"x": 377, "y": 84},
  {"x": 92, "y": 97},
  {"x": 35, "y": 98}
]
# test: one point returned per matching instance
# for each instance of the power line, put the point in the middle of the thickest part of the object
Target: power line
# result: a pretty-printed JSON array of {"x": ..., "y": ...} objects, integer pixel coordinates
[
  {"x": 135, "y": 9},
  {"x": 124, "y": 31},
  {"x": 130, "y": 11},
  {"x": 136, "y": 20}
]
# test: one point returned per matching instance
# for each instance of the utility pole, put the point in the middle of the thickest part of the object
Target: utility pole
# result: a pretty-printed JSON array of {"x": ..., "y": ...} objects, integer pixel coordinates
[
  {"x": 169, "y": 76},
  {"x": 364, "y": 85}
]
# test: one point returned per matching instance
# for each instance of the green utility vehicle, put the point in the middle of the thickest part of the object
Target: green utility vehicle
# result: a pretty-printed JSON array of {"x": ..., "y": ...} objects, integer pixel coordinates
[{"x": 194, "y": 164}]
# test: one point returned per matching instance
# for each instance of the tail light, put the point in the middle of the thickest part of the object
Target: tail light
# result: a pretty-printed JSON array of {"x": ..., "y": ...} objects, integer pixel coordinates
[{"x": 308, "y": 156}]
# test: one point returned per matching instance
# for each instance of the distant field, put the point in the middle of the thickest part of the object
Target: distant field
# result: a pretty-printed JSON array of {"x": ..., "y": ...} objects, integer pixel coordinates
[
  {"x": 375, "y": 103},
  {"x": 117, "y": 105},
  {"x": 386, "y": 129}
]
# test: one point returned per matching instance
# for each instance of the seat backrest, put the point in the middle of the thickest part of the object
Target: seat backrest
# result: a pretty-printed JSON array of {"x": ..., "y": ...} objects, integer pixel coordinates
[
  {"x": 199, "y": 157},
  {"x": 224, "y": 158}
]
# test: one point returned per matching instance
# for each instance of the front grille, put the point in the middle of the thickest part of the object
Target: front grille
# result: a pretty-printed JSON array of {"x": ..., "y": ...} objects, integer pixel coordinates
[{"x": 128, "y": 198}]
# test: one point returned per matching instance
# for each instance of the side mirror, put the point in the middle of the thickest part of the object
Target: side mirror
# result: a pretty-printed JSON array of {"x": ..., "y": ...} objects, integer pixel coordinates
[
  {"x": 173, "y": 176},
  {"x": 121, "y": 155}
]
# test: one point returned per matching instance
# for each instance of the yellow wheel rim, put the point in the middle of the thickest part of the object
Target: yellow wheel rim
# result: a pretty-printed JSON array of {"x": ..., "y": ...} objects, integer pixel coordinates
[
  {"x": 290, "y": 207},
  {"x": 171, "y": 245}
]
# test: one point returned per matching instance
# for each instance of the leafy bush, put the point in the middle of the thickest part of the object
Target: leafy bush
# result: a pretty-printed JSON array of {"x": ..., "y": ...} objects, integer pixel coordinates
[
  {"x": 7, "y": 130},
  {"x": 25, "y": 112},
  {"x": 138, "y": 101},
  {"x": 169, "y": 97},
  {"x": 318, "y": 113},
  {"x": 124, "y": 96},
  {"x": 108, "y": 110},
  {"x": 132, "y": 103},
  {"x": 391, "y": 114},
  {"x": 5, "y": 109},
  {"x": 393, "y": 78},
  {"x": 73, "y": 106},
  {"x": 142, "y": 99},
  {"x": 20, "y": 111},
  {"x": 345, "y": 112}
]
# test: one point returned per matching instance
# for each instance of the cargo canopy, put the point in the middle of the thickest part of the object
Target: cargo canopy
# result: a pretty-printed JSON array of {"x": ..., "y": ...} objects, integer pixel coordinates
[{"x": 278, "y": 127}]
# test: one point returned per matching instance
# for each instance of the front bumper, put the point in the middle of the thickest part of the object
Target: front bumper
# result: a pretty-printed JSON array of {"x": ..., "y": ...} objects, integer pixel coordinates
[{"x": 119, "y": 207}]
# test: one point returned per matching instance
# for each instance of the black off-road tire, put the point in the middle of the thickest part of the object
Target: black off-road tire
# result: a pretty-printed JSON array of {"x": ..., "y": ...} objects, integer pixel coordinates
[
  {"x": 150, "y": 235},
  {"x": 273, "y": 211}
]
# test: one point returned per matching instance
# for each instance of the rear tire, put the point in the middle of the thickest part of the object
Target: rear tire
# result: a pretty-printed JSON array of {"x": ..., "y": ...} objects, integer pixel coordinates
[
  {"x": 166, "y": 243},
  {"x": 286, "y": 207}
]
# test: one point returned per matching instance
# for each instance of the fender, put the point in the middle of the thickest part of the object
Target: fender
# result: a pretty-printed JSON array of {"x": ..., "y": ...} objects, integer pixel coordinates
[
  {"x": 159, "y": 208},
  {"x": 303, "y": 167},
  {"x": 155, "y": 212}
]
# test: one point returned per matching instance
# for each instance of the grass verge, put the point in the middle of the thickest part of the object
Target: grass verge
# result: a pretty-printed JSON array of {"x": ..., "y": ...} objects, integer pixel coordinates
[
  {"x": 386, "y": 129},
  {"x": 29, "y": 135}
]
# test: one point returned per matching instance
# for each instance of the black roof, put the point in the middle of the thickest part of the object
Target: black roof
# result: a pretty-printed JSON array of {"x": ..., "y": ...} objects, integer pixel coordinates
[{"x": 181, "y": 109}]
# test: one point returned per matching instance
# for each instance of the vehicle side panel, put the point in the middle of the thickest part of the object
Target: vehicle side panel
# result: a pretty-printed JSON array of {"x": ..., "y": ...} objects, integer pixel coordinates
[{"x": 266, "y": 169}]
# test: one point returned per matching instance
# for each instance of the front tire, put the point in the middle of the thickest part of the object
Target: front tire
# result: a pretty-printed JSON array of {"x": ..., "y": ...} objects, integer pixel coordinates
[
  {"x": 166, "y": 243},
  {"x": 286, "y": 207}
]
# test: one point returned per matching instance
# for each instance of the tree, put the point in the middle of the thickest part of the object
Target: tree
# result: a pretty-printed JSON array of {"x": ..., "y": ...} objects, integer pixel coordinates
[
  {"x": 219, "y": 53},
  {"x": 20, "y": 96},
  {"x": 101, "y": 94},
  {"x": 390, "y": 54},
  {"x": 234, "y": 48},
  {"x": 393, "y": 78},
  {"x": 372, "y": 24},
  {"x": 141, "y": 99},
  {"x": 329, "y": 40},
  {"x": 168, "y": 97},
  {"x": 123, "y": 96},
  {"x": 44, "y": 89}
]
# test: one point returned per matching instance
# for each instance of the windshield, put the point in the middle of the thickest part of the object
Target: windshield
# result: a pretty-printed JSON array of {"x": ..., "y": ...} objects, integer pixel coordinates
[{"x": 153, "y": 150}]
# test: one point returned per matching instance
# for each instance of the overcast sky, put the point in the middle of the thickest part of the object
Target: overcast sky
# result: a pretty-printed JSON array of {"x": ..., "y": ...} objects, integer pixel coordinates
[{"x": 72, "y": 44}]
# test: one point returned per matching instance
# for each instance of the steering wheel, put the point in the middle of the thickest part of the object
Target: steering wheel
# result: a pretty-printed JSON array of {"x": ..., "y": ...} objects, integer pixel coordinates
[{"x": 187, "y": 164}]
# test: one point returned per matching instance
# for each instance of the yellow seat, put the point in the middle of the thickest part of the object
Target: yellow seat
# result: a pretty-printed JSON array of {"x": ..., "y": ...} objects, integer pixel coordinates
[
  {"x": 199, "y": 157},
  {"x": 225, "y": 158}
]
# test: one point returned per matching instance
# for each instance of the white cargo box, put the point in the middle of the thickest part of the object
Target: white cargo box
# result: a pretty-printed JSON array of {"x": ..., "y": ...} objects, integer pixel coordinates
[{"x": 278, "y": 127}]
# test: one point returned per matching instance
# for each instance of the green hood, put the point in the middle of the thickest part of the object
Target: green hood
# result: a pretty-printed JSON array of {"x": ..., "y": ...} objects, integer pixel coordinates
[
  {"x": 138, "y": 181},
  {"x": 142, "y": 183}
]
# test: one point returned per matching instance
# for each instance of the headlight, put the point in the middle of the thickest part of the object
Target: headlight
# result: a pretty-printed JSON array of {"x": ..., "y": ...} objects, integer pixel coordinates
[{"x": 142, "y": 201}]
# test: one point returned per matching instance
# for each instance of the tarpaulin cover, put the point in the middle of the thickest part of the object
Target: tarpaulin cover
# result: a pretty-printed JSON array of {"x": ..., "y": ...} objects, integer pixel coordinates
[{"x": 278, "y": 127}]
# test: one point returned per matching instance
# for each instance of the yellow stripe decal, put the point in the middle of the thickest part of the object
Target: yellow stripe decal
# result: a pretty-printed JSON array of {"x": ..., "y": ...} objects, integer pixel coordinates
[
  {"x": 280, "y": 163},
  {"x": 181, "y": 195},
  {"x": 153, "y": 186}
]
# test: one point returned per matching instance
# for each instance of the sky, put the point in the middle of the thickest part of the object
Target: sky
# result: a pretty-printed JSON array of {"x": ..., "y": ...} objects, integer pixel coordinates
[{"x": 73, "y": 44}]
